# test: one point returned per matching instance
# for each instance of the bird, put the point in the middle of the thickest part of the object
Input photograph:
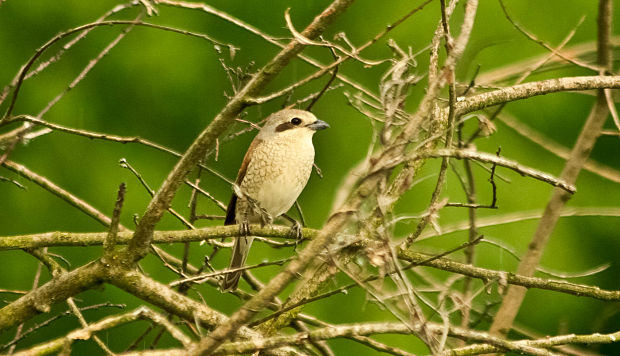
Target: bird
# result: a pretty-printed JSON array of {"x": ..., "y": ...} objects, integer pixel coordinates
[{"x": 273, "y": 173}]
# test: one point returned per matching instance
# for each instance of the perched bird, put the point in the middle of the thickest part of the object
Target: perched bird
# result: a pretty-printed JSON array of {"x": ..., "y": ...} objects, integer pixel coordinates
[{"x": 274, "y": 171}]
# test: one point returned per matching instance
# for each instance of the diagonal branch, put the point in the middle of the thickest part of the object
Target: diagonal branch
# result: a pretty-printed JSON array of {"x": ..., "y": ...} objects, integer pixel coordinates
[{"x": 59, "y": 192}]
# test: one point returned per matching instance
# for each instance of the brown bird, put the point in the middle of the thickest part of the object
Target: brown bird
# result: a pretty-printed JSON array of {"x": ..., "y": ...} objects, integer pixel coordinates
[{"x": 274, "y": 171}]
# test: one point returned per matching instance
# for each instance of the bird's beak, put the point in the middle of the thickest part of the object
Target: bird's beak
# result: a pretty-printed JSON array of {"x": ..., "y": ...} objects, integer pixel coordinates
[{"x": 318, "y": 125}]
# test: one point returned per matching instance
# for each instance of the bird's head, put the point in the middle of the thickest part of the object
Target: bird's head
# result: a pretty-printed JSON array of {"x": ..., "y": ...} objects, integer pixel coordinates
[{"x": 291, "y": 122}]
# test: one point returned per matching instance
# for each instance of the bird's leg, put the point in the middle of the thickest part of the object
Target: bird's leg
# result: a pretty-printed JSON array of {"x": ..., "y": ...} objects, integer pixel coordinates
[
  {"x": 296, "y": 229},
  {"x": 244, "y": 227},
  {"x": 244, "y": 224},
  {"x": 264, "y": 217},
  {"x": 245, "y": 204},
  {"x": 296, "y": 232}
]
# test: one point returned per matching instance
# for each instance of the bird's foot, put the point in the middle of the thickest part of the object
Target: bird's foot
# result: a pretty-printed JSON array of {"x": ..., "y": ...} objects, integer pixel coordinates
[
  {"x": 296, "y": 232},
  {"x": 244, "y": 228}
]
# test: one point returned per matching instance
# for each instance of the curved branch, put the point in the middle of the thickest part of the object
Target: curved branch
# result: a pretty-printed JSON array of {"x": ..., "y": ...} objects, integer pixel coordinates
[
  {"x": 503, "y": 162},
  {"x": 51, "y": 239},
  {"x": 528, "y": 90},
  {"x": 507, "y": 277}
]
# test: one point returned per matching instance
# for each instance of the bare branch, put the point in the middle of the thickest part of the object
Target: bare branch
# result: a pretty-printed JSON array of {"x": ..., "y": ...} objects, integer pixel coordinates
[
  {"x": 486, "y": 158},
  {"x": 511, "y": 278},
  {"x": 58, "y": 238},
  {"x": 59, "y": 192},
  {"x": 545, "y": 45},
  {"x": 550, "y": 145},
  {"x": 528, "y": 90},
  {"x": 107, "y": 323},
  {"x": 58, "y": 289}
]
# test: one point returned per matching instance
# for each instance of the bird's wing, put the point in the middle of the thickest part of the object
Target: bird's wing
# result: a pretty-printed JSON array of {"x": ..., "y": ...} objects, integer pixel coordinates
[{"x": 232, "y": 205}]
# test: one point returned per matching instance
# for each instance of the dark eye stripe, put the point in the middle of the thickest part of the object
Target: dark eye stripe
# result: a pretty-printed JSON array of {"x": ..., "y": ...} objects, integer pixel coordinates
[{"x": 284, "y": 126}]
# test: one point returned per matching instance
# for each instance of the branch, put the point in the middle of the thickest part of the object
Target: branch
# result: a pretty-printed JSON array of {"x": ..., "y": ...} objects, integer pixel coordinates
[
  {"x": 478, "y": 156},
  {"x": 59, "y": 238},
  {"x": 515, "y": 70},
  {"x": 171, "y": 301},
  {"x": 490, "y": 343},
  {"x": 58, "y": 289},
  {"x": 545, "y": 45},
  {"x": 519, "y": 216},
  {"x": 60, "y": 36},
  {"x": 55, "y": 270},
  {"x": 108, "y": 137},
  {"x": 557, "y": 149},
  {"x": 59, "y": 192},
  {"x": 115, "y": 10},
  {"x": 87, "y": 332},
  {"x": 91, "y": 239},
  {"x": 500, "y": 161},
  {"x": 446, "y": 264},
  {"x": 531, "y": 89},
  {"x": 241, "y": 24},
  {"x": 544, "y": 342}
]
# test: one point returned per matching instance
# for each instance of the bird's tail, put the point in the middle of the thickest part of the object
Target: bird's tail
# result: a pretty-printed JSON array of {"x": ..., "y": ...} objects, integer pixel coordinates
[{"x": 239, "y": 254}]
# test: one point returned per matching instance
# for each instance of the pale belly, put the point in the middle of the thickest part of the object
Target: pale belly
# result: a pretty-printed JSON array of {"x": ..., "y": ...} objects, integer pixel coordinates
[
  {"x": 279, "y": 194},
  {"x": 277, "y": 180}
]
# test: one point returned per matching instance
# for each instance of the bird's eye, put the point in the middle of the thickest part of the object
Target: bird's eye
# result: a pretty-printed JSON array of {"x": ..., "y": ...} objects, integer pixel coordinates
[{"x": 295, "y": 121}]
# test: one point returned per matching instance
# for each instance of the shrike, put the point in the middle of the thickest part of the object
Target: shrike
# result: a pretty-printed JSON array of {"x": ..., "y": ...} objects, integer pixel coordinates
[{"x": 274, "y": 171}]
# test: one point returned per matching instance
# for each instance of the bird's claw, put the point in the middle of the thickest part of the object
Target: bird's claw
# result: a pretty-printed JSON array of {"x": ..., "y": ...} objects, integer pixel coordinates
[
  {"x": 296, "y": 232},
  {"x": 244, "y": 228}
]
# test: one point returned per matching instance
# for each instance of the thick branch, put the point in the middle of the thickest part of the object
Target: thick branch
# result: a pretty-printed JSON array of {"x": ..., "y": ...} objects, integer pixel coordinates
[
  {"x": 479, "y": 349},
  {"x": 217, "y": 232},
  {"x": 339, "y": 331},
  {"x": 58, "y": 289},
  {"x": 59, "y": 238}
]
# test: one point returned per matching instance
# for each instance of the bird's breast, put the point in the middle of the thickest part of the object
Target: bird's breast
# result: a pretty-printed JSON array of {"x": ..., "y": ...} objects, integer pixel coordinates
[{"x": 278, "y": 172}]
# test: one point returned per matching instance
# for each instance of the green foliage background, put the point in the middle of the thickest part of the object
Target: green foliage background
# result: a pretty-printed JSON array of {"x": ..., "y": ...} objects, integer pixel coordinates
[{"x": 166, "y": 87}]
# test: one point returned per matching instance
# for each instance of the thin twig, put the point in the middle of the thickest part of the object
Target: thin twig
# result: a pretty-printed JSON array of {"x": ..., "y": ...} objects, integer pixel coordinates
[
  {"x": 109, "y": 244},
  {"x": 545, "y": 45},
  {"x": 79, "y": 29}
]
